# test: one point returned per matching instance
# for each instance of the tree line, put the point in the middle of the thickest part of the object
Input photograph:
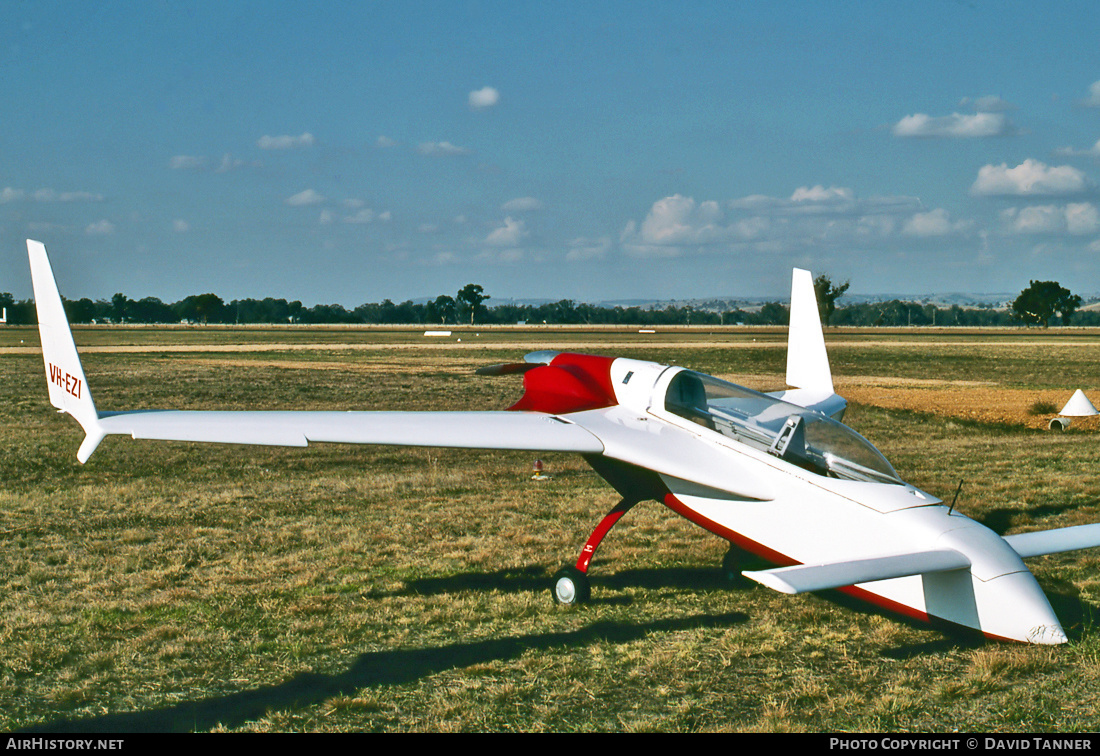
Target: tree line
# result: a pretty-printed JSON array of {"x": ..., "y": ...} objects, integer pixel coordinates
[{"x": 1042, "y": 303}]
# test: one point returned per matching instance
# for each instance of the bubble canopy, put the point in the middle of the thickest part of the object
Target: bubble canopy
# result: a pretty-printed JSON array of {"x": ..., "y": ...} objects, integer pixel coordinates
[{"x": 797, "y": 435}]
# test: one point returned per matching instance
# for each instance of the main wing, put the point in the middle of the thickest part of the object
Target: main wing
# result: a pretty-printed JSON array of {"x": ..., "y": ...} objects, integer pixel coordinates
[{"x": 69, "y": 392}]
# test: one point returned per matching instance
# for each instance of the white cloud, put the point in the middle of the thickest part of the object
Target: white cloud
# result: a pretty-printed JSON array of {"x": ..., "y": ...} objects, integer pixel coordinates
[
  {"x": 1082, "y": 218},
  {"x": 814, "y": 217},
  {"x": 1093, "y": 151},
  {"x": 285, "y": 142},
  {"x": 100, "y": 228},
  {"x": 1079, "y": 218},
  {"x": 876, "y": 226},
  {"x": 49, "y": 195},
  {"x": 366, "y": 215},
  {"x": 501, "y": 256},
  {"x": 819, "y": 194},
  {"x": 201, "y": 162},
  {"x": 230, "y": 163},
  {"x": 672, "y": 224},
  {"x": 9, "y": 194},
  {"x": 679, "y": 220},
  {"x": 384, "y": 142},
  {"x": 441, "y": 148},
  {"x": 1030, "y": 177},
  {"x": 987, "y": 104},
  {"x": 588, "y": 249},
  {"x": 486, "y": 97},
  {"x": 1092, "y": 100},
  {"x": 507, "y": 234},
  {"x": 825, "y": 201},
  {"x": 181, "y": 226},
  {"x": 186, "y": 162},
  {"x": 954, "y": 126},
  {"x": 520, "y": 204},
  {"x": 307, "y": 197},
  {"x": 933, "y": 223}
]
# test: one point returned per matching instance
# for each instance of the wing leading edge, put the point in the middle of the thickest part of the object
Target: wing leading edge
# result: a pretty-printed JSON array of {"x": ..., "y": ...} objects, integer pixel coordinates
[
  {"x": 521, "y": 431},
  {"x": 460, "y": 430}
]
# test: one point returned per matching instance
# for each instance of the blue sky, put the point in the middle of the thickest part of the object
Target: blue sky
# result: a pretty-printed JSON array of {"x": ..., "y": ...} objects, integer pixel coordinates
[{"x": 349, "y": 152}]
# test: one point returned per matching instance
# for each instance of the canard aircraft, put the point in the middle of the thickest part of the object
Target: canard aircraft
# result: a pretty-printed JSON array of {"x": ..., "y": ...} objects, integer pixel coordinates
[{"x": 777, "y": 475}]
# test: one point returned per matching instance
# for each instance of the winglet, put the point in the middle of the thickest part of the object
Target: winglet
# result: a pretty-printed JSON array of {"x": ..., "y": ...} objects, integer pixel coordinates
[
  {"x": 807, "y": 360},
  {"x": 64, "y": 374}
]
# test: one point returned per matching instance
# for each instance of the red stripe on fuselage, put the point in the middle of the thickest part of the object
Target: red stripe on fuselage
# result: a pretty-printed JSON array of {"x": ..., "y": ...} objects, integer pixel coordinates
[{"x": 570, "y": 383}]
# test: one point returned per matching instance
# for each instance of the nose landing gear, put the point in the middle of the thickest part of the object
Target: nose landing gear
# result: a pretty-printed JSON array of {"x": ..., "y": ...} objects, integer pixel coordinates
[{"x": 570, "y": 584}]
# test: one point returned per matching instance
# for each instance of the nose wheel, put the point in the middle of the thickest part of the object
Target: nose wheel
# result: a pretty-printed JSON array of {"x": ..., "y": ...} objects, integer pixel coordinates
[{"x": 570, "y": 587}]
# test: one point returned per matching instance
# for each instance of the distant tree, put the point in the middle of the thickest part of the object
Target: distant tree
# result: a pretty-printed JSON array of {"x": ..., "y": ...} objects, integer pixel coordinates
[
  {"x": 1042, "y": 300},
  {"x": 81, "y": 310},
  {"x": 565, "y": 311},
  {"x": 442, "y": 309},
  {"x": 120, "y": 307},
  {"x": 200, "y": 308},
  {"x": 827, "y": 294},
  {"x": 329, "y": 313},
  {"x": 150, "y": 310},
  {"x": 470, "y": 298},
  {"x": 773, "y": 313}
]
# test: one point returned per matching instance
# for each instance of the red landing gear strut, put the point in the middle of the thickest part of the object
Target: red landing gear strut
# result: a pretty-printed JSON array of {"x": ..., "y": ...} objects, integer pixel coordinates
[{"x": 570, "y": 584}]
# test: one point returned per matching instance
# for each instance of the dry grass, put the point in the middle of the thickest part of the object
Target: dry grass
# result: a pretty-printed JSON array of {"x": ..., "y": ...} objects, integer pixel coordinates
[{"x": 183, "y": 587}]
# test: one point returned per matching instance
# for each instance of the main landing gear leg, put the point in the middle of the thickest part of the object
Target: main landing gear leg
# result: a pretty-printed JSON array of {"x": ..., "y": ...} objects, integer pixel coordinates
[
  {"x": 570, "y": 584},
  {"x": 731, "y": 564}
]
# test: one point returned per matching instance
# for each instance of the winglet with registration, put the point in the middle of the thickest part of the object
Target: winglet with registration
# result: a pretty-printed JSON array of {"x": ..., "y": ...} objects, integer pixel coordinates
[{"x": 64, "y": 374}]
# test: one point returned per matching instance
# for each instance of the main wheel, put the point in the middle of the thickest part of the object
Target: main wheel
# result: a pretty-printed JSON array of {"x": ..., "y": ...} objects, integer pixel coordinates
[{"x": 570, "y": 586}]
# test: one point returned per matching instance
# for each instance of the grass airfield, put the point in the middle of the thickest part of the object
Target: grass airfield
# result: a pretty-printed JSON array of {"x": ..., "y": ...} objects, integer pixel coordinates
[{"x": 180, "y": 587}]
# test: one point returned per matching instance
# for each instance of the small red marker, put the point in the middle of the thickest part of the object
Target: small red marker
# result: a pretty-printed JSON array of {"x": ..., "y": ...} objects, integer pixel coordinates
[{"x": 538, "y": 471}]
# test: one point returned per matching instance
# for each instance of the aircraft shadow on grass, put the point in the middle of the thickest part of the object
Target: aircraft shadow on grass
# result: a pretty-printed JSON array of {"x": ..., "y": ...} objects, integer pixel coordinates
[
  {"x": 1000, "y": 520},
  {"x": 1063, "y": 596},
  {"x": 534, "y": 579},
  {"x": 376, "y": 668}
]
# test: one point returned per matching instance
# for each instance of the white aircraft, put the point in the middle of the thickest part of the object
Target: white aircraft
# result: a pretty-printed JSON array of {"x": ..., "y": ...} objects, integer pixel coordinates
[{"x": 774, "y": 474}]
